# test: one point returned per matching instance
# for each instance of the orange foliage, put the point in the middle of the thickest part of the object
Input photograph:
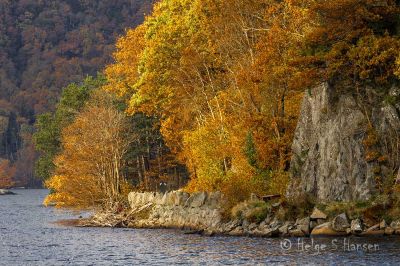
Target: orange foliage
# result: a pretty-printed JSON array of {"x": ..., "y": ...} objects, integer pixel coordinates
[
  {"x": 89, "y": 169},
  {"x": 212, "y": 88},
  {"x": 353, "y": 42},
  {"x": 226, "y": 78}
]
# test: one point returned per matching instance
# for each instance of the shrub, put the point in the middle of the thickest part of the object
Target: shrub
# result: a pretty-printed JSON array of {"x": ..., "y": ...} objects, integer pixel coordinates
[{"x": 252, "y": 211}]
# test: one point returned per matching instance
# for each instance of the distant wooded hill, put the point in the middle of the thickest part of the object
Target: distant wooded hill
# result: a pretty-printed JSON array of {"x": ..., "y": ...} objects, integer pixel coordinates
[{"x": 45, "y": 45}]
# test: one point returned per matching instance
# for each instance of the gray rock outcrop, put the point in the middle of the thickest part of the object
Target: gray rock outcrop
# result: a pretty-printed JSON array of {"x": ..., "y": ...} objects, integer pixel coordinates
[
  {"x": 318, "y": 214},
  {"x": 356, "y": 226},
  {"x": 329, "y": 157},
  {"x": 340, "y": 223}
]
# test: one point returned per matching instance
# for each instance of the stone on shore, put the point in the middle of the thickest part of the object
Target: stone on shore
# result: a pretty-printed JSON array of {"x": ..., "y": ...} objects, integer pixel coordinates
[
  {"x": 296, "y": 233},
  {"x": 325, "y": 229},
  {"x": 318, "y": 214},
  {"x": 238, "y": 231},
  {"x": 268, "y": 232},
  {"x": 181, "y": 198},
  {"x": 214, "y": 199},
  {"x": 6, "y": 192},
  {"x": 284, "y": 229},
  {"x": 356, "y": 226},
  {"x": 389, "y": 231},
  {"x": 395, "y": 225},
  {"x": 201, "y": 212},
  {"x": 304, "y": 225},
  {"x": 340, "y": 223}
]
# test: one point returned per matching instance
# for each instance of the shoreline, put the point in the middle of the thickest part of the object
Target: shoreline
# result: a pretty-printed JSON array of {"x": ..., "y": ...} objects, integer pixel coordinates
[
  {"x": 200, "y": 213},
  {"x": 87, "y": 222}
]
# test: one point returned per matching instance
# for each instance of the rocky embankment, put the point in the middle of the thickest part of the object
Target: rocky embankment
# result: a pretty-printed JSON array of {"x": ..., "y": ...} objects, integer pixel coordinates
[{"x": 201, "y": 213}]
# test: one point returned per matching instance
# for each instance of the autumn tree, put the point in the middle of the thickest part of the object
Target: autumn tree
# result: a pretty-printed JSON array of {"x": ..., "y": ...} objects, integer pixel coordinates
[
  {"x": 89, "y": 170},
  {"x": 47, "y": 137},
  {"x": 354, "y": 43},
  {"x": 211, "y": 88},
  {"x": 150, "y": 160},
  {"x": 226, "y": 78}
]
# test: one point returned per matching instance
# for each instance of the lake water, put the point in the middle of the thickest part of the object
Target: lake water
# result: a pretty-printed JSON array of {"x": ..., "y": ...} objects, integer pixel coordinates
[{"x": 28, "y": 236}]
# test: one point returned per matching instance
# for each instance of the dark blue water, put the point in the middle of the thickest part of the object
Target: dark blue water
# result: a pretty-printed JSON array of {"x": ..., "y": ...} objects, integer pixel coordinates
[{"x": 28, "y": 236}]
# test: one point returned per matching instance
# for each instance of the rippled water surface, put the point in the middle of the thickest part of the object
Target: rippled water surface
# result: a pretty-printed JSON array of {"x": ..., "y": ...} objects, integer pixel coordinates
[{"x": 28, "y": 236}]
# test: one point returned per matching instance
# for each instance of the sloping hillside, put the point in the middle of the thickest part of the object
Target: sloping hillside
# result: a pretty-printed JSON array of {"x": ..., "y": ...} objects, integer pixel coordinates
[{"x": 45, "y": 45}]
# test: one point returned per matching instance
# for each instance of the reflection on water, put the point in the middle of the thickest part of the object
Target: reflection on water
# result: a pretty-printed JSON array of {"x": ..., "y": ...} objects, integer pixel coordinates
[{"x": 28, "y": 236}]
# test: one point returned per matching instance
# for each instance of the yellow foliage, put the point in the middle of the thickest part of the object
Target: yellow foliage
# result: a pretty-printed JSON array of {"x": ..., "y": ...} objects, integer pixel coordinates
[
  {"x": 77, "y": 192},
  {"x": 216, "y": 72},
  {"x": 211, "y": 87},
  {"x": 89, "y": 168},
  {"x": 123, "y": 74}
]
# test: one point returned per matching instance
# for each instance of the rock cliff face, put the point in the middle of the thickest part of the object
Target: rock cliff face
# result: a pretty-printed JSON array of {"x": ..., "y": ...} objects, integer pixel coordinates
[{"x": 329, "y": 157}]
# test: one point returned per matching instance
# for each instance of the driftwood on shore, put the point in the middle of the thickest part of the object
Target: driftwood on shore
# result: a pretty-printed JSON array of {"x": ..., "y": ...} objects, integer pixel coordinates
[{"x": 112, "y": 218}]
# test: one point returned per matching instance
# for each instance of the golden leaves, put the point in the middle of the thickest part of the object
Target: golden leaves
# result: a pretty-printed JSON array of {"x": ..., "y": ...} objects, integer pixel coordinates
[
  {"x": 89, "y": 168},
  {"x": 216, "y": 71}
]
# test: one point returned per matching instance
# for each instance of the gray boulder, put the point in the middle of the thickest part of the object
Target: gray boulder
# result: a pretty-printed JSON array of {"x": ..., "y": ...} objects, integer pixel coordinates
[
  {"x": 325, "y": 229},
  {"x": 356, "y": 226},
  {"x": 304, "y": 225},
  {"x": 318, "y": 214},
  {"x": 374, "y": 231},
  {"x": 269, "y": 232},
  {"x": 389, "y": 231},
  {"x": 340, "y": 223},
  {"x": 395, "y": 225},
  {"x": 296, "y": 233},
  {"x": 6, "y": 192},
  {"x": 238, "y": 231},
  {"x": 284, "y": 229}
]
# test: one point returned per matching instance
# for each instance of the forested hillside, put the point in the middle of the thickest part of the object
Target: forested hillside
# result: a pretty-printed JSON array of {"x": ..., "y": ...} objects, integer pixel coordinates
[{"x": 44, "y": 46}]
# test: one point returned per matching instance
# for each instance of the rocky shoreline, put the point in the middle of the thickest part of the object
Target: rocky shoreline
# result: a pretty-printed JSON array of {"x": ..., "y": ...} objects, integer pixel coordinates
[{"x": 201, "y": 213}]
